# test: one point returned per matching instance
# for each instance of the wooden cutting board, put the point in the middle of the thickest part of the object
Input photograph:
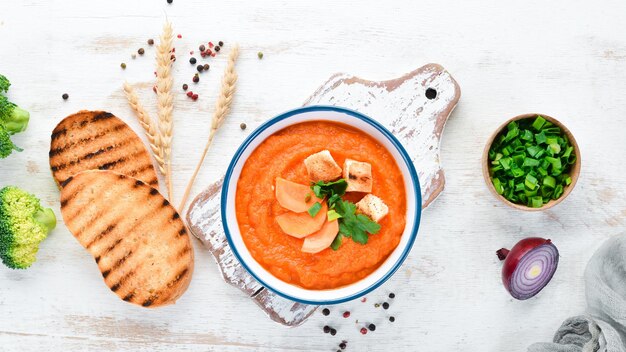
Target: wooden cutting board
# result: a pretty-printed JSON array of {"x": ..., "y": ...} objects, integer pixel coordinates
[{"x": 414, "y": 107}]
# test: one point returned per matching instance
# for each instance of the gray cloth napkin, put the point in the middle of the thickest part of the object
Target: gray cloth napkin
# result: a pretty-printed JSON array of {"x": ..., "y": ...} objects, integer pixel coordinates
[{"x": 603, "y": 328}]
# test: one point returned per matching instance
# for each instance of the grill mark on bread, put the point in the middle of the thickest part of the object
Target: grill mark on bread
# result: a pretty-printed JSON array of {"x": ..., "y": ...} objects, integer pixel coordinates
[
  {"x": 183, "y": 252},
  {"x": 182, "y": 231},
  {"x": 111, "y": 247},
  {"x": 103, "y": 115},
  {"x": 121, "y": 281},
  {"x": 178, "y": 277},
  {"x": 106, "y": 231},
  {"x": 111, "y": 164},
  {"x": 56, "y": 134},
  {"x": 129, "y": 296},
  {"x": 106, "y": 273},
  {"x": 67, "y": 181},
  {"x": 121, "y": 261},
  {"x": 154, "y": 192}
]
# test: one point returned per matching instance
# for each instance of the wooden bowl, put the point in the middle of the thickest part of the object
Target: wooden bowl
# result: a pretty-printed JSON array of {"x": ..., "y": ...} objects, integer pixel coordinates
[{"x": 574, "y": 171}]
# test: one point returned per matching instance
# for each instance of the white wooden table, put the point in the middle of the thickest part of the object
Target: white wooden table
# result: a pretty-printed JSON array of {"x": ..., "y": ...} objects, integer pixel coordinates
[{"x": 563, "y": 58}]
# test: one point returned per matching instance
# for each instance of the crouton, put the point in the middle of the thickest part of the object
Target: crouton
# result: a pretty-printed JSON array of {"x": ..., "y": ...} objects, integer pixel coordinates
[
  {"x": 373, "y": 207},
  {"x": 322, "y": 167},
  {"x": 358, "y": 174}
]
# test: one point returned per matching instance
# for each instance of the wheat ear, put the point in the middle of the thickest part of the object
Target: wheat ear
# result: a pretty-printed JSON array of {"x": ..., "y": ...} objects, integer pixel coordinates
[
  {"x": 165, "y": 100},
  {"x": 149, "y": 127},
  {"x": 222, "y": 107}
]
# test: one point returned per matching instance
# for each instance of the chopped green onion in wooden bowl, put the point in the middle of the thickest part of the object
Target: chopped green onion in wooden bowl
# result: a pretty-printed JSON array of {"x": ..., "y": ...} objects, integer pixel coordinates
[{"x": 532, "y": 162}]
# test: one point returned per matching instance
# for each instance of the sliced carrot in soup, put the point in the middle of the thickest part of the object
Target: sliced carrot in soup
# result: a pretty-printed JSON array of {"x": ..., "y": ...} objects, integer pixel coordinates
[
  {"x": 300, "y": 225},
  {"x": 322, "y": 239},
  {"x": 294, "y": 196}
]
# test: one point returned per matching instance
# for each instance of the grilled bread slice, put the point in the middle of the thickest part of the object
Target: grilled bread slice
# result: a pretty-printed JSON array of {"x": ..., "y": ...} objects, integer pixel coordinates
[
  {"x": 97, "y": 140},
  {"x": 137, "y": 238}
]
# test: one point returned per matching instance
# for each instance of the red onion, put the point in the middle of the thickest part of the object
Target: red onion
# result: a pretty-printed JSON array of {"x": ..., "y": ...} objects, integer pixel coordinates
[{"x": 528, "y": 266}]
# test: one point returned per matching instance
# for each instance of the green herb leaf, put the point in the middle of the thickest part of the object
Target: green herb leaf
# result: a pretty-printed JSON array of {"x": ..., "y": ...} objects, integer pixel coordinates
[
  {"x": 322, "y": 189},
  {"x": 314, "y": 209}
]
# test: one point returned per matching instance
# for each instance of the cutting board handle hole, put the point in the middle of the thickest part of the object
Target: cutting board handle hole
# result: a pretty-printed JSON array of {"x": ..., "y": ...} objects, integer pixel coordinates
[{"x": 431, "y": 93}]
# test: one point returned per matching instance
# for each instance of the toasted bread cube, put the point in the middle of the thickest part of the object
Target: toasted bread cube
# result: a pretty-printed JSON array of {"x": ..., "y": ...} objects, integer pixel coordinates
[
  {"x": 322, "y": 167},
  {"x": 359, "y": 176},
  {"x": 373, "y": 207}
]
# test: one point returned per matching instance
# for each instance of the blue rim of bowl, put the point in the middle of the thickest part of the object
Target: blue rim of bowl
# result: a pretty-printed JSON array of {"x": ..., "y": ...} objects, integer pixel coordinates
[{"x": 388, "y": 135}]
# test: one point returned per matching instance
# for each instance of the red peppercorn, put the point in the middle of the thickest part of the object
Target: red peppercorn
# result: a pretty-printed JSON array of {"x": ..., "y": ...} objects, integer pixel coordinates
[
  {"x": 173, "y": 50},
  {"x": 191, "y": 52},
  {"x": 196, "y": 79},
  {"x": 179, "y": 36},
  {"x": 173, "y": 57},
  {"x": 364, "y": 299},
  {"x": 154, "y": 89},
  {"x": 213, "y": 55},
  {"x": 203, "y": 54},
  {"x": 363, "y": 331},
  {"x": 190, "y": 94},
  {"x": 194, "y": 97},
  {"x": 211, "y": 44},
  {"x": 346, "y": 314},
  {"x": 209, "y": 52}
]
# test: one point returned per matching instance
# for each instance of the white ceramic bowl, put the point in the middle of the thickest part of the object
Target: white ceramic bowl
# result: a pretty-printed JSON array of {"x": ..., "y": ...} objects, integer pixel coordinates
[{"x": 384, "y": 271}]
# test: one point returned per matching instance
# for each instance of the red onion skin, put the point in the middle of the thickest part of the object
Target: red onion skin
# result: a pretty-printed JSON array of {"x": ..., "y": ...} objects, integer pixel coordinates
[{"x": 515, "y": 255}]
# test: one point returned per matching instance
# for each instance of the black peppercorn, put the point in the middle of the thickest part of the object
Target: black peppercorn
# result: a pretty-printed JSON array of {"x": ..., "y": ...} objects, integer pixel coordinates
[
  {"x": 65, "y": 96},
  {"x": 221, "y": 43},
  {"x": 325, "y": 311},
  {"x": 185, "y": 86},
  {"x": 196, "y": 79},
  {"x": 385, "y": 305},
  {"x": 333, "y": 332},
  {"x": 342, "y": 345},
  {"x": 202, "y": 48},
  {"x": 170, "y": 1},
  {"x": 392, "y": 319},
  {"x": 392, "y": 295},
  {"x": 372, "y": 327},
  {"x": 217, "y": 48},
  {"x": 150, "y": 41},
  {"x": 192, "y": 61},
  {"x": 141, "y": 51},
  {"x": 326, "y": 329},
  {"x": 243, "y": 127},
  {"x": 206, "y": 67},
  {"x": 200, "y": 68}
]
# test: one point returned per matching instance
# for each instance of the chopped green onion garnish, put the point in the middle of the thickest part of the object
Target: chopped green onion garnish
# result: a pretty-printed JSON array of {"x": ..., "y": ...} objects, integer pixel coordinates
[
  {"x": 333, "y": 215},
  {"x": 538, "y": 123},
  {"x": 314, "y": 209},
  {"x": 530, "y": 162}
]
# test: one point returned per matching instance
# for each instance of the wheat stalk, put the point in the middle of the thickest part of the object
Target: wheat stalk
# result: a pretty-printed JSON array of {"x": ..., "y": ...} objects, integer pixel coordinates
[
  {"x": 165, "y": 100},
  {"x": 222, "y": 108},
  {"x": 149, "y": 127}
]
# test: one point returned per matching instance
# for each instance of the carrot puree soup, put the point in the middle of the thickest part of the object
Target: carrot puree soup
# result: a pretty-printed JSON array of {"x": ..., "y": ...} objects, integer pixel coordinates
[{"x": 293, "y": 243}]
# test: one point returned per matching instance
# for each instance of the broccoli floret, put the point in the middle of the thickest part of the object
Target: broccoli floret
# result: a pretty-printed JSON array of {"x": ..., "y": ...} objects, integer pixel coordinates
[
  {"x": 6, "y": 145},
  {"x": 4, "y": 84},
  {"x": 24, "y": 223},
  {"x": 12, "y": 117}
]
